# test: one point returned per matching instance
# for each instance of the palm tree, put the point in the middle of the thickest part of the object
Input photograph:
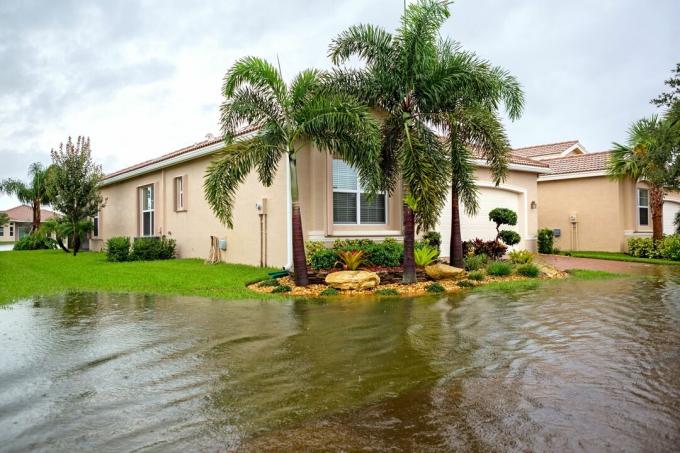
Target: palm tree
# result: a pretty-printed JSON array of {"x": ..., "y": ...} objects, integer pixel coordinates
[
  {"x": 651, "y": 154},
  {"x": 286, "y": 119},
  {"x": 412, "y": 77},
  {"x": 33, "y": 193}
]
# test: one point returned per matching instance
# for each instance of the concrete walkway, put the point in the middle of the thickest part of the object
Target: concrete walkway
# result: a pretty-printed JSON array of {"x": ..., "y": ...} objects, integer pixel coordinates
[{"x": 564, "y": 263}]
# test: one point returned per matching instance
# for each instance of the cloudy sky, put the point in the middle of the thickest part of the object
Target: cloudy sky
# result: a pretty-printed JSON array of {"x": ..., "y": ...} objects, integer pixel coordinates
[{"x": 142, "y": 78}]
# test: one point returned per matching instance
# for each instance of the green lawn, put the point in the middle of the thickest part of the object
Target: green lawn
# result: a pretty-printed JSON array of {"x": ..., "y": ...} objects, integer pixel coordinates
[
  {"x": 621, "y": 257},
  {"x": 28, "y": 273}
]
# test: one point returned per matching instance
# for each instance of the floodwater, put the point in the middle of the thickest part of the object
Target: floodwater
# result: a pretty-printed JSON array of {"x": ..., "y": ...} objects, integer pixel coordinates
[{"x": 570, "y": 366}]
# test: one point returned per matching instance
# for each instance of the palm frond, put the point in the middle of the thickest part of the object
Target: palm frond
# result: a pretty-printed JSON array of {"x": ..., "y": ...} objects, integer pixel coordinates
[
  {"x": 258, "y": 73},
  {"x": 368, "y": 42},
  {"x": 248, "y": 106}
]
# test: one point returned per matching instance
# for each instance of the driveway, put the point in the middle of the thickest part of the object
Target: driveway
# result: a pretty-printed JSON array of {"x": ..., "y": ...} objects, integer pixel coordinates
[{"x": 564, "y": 263}]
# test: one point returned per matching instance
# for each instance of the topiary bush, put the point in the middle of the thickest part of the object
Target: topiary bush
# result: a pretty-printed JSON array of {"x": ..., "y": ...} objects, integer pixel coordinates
[
  {"x": 35, "y": 242},
  {"x": 475, "y": 262},
  {"x": 545, "y": 240},
  {"x": 528, "y": 270},
  {"x": 476, "y": 276},
  {"x": 503, "y": 216},
  {"x": 118, "y": 249},
  {"x": 499, "y": 268},
  {"x": 152, "y": 248},
  {"x": 509, "y": 237},
  {"x": 434, "y": 288}
]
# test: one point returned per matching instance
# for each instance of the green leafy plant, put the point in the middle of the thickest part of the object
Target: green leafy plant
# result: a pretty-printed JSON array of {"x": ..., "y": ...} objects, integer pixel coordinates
[
  {"x": 352, "y": 244},
  {"x": 118, "y": 249},
  {"x": 476, "y": 275},
  {"x": 387, "y": 292},
  {"x": 520, "y": 256},
  {"x": 312, "y": 247},
  {"x": 676, "y": 222},
  {"x": 330, "y": 291},
  {"x": 433, "y": 239},
  {"x": 493, "y": 249},
  {"x": 425, "y": 255},
  {"x": 352, "y": 259},
  {"x": 434, "y": 288},
  {"x": 499, "y": 268},
  {"x": 670, "y": 247},
  {"x": 644, "y": 248},
  {"x": 528, "y": 270},
  {"x": 509, "y": 237},
  {"x": 282, "y": 289},
  {"x": 504, "y": 216},
  {"x": 475, "y": 262},
  {"x": 35, "y": 242},
  {"x": 270, "y": 282},
  {"x": 324, "y": 259},
  {"x": 545, "y": 240},
  {"x": 465, "y": 284},
  {"x": 152, "y": 248}
]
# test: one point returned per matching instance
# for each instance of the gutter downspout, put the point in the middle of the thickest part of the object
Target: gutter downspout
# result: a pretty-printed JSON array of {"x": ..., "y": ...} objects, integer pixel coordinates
[{"x": 289, "y": 219}]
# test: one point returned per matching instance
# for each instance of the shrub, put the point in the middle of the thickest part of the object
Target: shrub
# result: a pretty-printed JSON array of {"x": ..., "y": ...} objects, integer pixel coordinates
[
  {"x": 434, "y": 288},
  {"x": 330, "y": 291},
  {"x": 476, "y": 275},
  {"x": 388, "y": 253},
  {"x": 387, "y": 292},
  {"x": 352, "y": 244},
  {"x": 644, "y": 248},
  {"x": 475, "y": 262},
  {"x": 503, "y": 216},
  {"x": 425, "y": 254},
  {"x": 676, "y": 222},
  {"x": 281, "y": 289},
  {"x": 352, "y": 259},
  {"x": 493, "y": 249},
  {"x": 118, "y": 249},
  {"x": 499, "y": 268},
  {"x": 35, "y": 242},
  {"x": 465, "y": 284},
  {"x": 324, "y": 259},
  {"x": 433, "y": 239},
  {"x": 528, "y": 270},
  {"x": 509, "y": 237},
  {"x": 671, "y": 247},
  {"x": 152, "y": 248},
  {"x": 520, "y": 257},
  {"x": 545, "y": 240},
  {"x": 311, "y": 247},
  {"x": 270, "y": 282}
]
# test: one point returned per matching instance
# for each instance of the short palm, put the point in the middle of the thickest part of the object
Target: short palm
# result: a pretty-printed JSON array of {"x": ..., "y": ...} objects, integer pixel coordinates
[
  {"x": 33, "y": 193},
  {"x": 286, "y": 118}
]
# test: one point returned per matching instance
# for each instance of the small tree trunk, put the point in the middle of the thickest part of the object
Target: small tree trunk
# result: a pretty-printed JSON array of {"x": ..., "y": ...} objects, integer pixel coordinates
[
  {"x": 36, "y": 216},
  {"x": 60, "y": 242},
  {"x": 76, "y": 240},
  {"x": 456, "y": 242},
  {"x": 656, "y": 206},
  {"x": 409, "y": 275},
  {"x": 299, "y": 261}
]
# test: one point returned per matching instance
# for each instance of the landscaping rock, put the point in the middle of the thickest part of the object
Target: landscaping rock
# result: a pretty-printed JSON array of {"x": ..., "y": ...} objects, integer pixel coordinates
[
  {"x": 442, "y": 271},
  {"x": 354, "y": 280},
  {"x": 549, "y": 271}
]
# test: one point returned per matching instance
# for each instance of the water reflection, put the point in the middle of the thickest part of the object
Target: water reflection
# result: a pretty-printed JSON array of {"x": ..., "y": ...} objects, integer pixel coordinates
[{"x": 571, "y": 366}]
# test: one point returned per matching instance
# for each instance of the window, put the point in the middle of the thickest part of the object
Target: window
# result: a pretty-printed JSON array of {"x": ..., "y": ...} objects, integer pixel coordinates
[
  {"x": 179, "y": 193},
  {"x": 643, "y": 207},
  {"x": 95, "y": 228},
  {"x": 147, "y": 210},
  {"x": 2, "y": 230},
  {"x": 11, "y": 229},
  {"x": 350, "y": 204}
]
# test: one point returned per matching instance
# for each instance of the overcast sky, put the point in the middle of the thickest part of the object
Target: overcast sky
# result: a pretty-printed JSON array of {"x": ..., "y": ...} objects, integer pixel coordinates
[{"x": 143, "y": 78}]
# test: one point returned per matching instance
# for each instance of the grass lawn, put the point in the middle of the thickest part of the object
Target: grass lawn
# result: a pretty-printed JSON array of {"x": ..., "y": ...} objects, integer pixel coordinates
[
  {"x": 42, "y": 272},
  {"x": 621, "y": 257}
]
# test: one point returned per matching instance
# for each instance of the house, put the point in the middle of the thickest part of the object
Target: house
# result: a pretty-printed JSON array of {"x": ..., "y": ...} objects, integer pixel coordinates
[
  {"x": 587, "y": 209},
  {"x": 164, "y": 196},
  {"x": 20, "y": 222}
]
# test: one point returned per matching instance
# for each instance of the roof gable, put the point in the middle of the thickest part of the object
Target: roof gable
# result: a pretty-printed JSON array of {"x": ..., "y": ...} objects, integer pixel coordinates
[{"x": 560, "y": 149}]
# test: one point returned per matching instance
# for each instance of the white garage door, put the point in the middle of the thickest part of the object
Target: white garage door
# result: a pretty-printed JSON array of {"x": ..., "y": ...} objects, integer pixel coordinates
[
  {"x": 670, "y": 209},
  {"x": 478, "y": 226}
]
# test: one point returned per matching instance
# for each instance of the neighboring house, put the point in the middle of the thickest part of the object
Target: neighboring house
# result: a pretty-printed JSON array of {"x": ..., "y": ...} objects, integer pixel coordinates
[
  {"x": 164, "y": 196},
  {"x": 20, "y": 222},
  {"x": 587, "y": 209}
]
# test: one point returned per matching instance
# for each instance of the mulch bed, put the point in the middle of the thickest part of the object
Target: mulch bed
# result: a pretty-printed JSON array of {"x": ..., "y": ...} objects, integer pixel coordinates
[{"x": 388, "y": 275}]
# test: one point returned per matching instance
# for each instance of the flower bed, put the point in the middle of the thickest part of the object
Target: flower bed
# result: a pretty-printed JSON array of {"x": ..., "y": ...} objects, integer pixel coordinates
[{"x": 386, "y": 274}]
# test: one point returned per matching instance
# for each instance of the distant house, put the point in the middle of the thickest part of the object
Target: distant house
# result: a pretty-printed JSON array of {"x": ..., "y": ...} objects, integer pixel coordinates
[
  {"x": 20, "y": 221},
  {"x": 587, "y": 209},
  {"x": 164, "y": 196}
]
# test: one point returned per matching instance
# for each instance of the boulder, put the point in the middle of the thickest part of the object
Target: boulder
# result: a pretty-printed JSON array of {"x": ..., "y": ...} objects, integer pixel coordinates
[
  {"x": 440, "y": 271},
  {"x": 353, "y": 280},
  {"x": 550, "y": 272}
]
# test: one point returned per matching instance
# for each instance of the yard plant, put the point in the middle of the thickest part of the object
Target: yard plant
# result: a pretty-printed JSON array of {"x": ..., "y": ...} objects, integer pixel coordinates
[
  {"x": 33, "y": 193},
  {"x": 499, "y": 268}
]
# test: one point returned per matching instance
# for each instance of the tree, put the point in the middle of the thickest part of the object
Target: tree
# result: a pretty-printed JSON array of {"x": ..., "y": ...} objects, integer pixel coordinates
[
  {"x": 287, "y": 118},
  {"x": 62, "y": 229},
  {"x": 672, "y": 96},
  {"x": 652, "y": 155},
  {"x": 33, "y": 193},
  {"x": 72, "y": 186},
  {"x": 4, "y": 218},
  {"x": 419, "y": 83}
]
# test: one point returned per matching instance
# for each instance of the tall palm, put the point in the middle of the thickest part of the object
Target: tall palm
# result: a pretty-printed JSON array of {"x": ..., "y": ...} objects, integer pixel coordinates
[
  {"x": 407, "y": 78},
  {"x": 651, "y": 154},
  {"x": 286, "y": 118},
  {"x": 33, "y": 193}
]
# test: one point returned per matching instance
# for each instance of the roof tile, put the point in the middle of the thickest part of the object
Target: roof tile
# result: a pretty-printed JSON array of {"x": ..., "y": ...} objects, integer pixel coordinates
[
  {"x": 579, "y": 163},
  {"x": 543, "y": 150}
]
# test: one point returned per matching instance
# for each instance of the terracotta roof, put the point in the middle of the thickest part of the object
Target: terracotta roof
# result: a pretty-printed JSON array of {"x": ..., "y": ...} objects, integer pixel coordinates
[
  {"x": 179, "y": 152},
  {"x": 24, "y": 213},
  {"x": 543, "y": 150},
  {"x": 515, "y": 159},
  {"x": 580, "y": 163}
]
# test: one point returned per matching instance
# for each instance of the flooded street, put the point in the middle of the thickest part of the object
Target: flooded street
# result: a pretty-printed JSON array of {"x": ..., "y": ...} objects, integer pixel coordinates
[{"x": 573, "y": 365}]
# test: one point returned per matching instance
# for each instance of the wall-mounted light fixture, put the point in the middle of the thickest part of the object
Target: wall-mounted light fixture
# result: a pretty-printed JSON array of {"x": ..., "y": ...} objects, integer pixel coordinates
[{"x": 533, "y": 204}]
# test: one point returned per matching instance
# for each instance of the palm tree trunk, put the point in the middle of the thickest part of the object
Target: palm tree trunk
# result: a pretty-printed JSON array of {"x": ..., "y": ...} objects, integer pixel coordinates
[
  {"x": 299, "y": 261},
  {"x": 456, "y": 243},
  {"x": 409, "y": 241},
  {"x": 656, "y": 206},
  {"x": 60, "y": 242},
  {"x": 76, "y": 240},
  {"x": 36, "y": 216}
]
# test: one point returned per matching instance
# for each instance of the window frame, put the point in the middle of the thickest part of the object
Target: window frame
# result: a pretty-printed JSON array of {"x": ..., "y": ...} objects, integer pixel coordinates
[
  {"x": 639, "y": 206},
  {"x": 142, "y": 211},
  {"x": 2, "y": 230},
  {"x": 358, "y": 192},
  {"x": 95, "y": 225},
  {"x": 180, "y": 193},
  {"x": 11, "y": 230}
]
